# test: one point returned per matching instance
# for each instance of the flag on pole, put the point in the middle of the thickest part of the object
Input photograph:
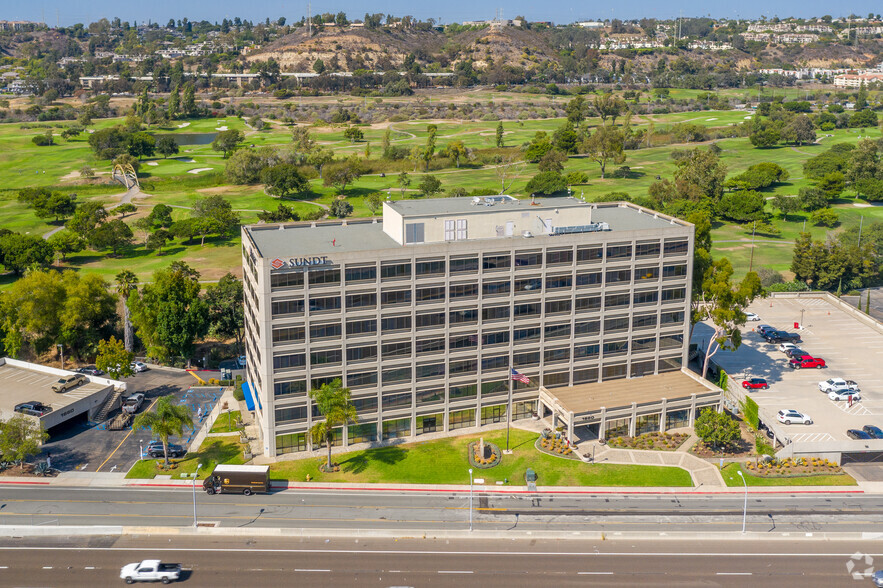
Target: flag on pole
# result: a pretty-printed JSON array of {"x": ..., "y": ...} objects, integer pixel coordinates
[{"x": 519, "y": 377}]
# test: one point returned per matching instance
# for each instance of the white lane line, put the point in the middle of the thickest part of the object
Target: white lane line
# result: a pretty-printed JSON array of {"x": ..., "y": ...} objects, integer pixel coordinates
[
  {"x": 304, "y": 570},
  {"x": 47, "y": 567},
  {"x": 734, "y": 573},
  {"x": 89, "y": 567},
  {"x": 594, "y": 573},
  {"x": 455, "y": 572},
  {"x": 4, "y": 567}
]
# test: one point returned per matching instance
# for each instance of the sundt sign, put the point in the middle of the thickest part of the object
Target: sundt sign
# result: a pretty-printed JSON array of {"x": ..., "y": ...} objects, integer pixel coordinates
[{"x": 293, "y": 262}]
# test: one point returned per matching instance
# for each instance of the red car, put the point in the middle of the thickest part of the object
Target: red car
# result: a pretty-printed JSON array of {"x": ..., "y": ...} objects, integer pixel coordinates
[
  {"x": 807, "y": 361},
  {"x": 755, "y": 384}
]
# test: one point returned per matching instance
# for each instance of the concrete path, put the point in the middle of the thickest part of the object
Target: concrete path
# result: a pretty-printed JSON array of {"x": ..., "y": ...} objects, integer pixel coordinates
[{"x": 704, "y": 474}]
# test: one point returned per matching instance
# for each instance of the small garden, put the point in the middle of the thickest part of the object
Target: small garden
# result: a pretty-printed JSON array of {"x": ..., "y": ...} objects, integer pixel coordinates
[
  {"x": 821, "y": 477},
  {"x": 227, "y": 422},
  {"x": 484, "y": 454},
  {"x": 554, "y": 443},
  {"x": 800, "y": 466},
  {"x": 213, "y": 451},
  {"x": 650, "y": 441}
]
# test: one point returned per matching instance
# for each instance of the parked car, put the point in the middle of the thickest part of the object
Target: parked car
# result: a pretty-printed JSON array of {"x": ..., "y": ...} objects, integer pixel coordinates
[
  {"x": 33, "y": 408},
  {"x": 844, "y": 396},
  {"x": 755, "y": 384},
  {"x": 154, "y": 449},
  {"x": 838, "y": 385},
  {"x": 873, "y": 431},
  {"x": 133, "y": 403},
  {"x": 807, "y": 361},
  {"x": 857, "y": 434},
  {"x": 764, "y": 329},
  {"x": 784, "y": 347},
  {"x": 790, "y": 415},
  {"x": 780, "y": 336},
  {"x": 878, "y": 578},
  {"x": 241, "y": 361},
  {"x": 795, "y": 352},
  {"x": 150, "y": 570},
  {"x": 66, "y": 383},
  {"x": 750, "y": 316},
  {"x": 90, "y": 370},
  {"x": 138, "y": 366}
]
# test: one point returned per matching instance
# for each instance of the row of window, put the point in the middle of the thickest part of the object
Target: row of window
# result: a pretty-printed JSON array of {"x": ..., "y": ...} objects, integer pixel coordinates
[{"x": 403, "y": 269}]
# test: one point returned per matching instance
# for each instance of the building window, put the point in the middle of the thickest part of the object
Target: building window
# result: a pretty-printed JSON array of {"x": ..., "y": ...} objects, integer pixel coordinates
[
  {"x": 288, "y": 335},
  {"x": 616, "y": 300},
  {"x": 287, "y": 280},
  {"x": 393, "y": 375},
  {"x": 328, "y": 356},
  {"x": 525, "y": 310},
  {"x": 671, "y": 341},
  {"x": 463, "y": 291},
  {"x": 289, "y": 361},
  {"x": 558, "y": 282},
  {"x": 617, "y": 276},
  {"x": 291, "y": 443},
  {"x": 644, "y": 297},
  {"x": 640, "y": 369},
  {"x": 430, "y": 294},
  {"x": 414, "y": 232},
  {"x": 677, "y": 419},
  {"x": 319, "y": 304},
  {"x": 616, "y": 348},
  {"x": 589, "y": 254},
  {"x": 673, "y": 248},
  {"x": 643, "y": 321},
  {"x": 396, "y": 349},
  {"x": 588, "y": 303},
  {"x": 494, "y": 313},
  {"x": 617, "y": 428},
  {"x": 619, "y": 252},
  {"x": 430, "y": 396},
  {"x": 674, "y": 271},
  {"x": 496, "y": 261},
  {"x": 461, "y": 419},
  {"x": 620, "y": 323},
  {"x": 430, "y": 319},
  {"x": 495, "y": 338},
  {"x": 429, "y": 371},
  {"x": 529, "y": 285},
  {"x": 495, "y": 388},
  {"x": 455, "y": 229},
  {"x": 462, "y": 342},
  {"x": 283, "y": 389},
  {"x": 318, "y": 382},
  {"x": 365, "y": 404},
  {"x": 669, "y": 364},
  {"x": 328, "y": 277},
  {"x": 673, "y": 295},
  {"x": 395, "y": 323},
  {"x": 326, "y": 331},
  {"x": 464, "y": 367},
  {"x": 496, "y": 288},
  {"x": 429, "y": 423},
  {"x": 528, "y": 259},
  {"x": 585, "y": 376},
  {"x": 285, "y": 307},
  {"x": 647, "y": 249},
  {"x": 365, "y": 353},
  {"x": 557, "y": 331},
  {"x": 521, "y": 360},
  {"x": 527, "y": 335},
  {"x": 429, "y": 267},
  {"x": 556, "y": 355},
  {"x": 396, "y": 428},
  {"x": 395, "y": 298},
  {"x": 586, "y": 351},
  {"x": 588, "y": 279},
  {"x": 362, "y": 300},
  {"x": 493, "y": 414},
  {"x": 430, "y": 345},
  {"x": 464, "y": 265},
  {"x": 361, "y": 327},
  {"x": 587, "y": 328},
  {"x": 397, "y": 401},
  {"x": 646, "y": 273},
  {"x": 465, "y": 316},
  {"x": 292, "y": 414},
  {"x": 644, "y": 345},
  {"x": 559, "y": 257},
  {"x": 395, "y": 270},
  {"x": 495, "y": 362},
  {"x": 463, "y": 392},
  {"x": 362, "y": 433},
  {"x": 558, "y": 307},
  {"x": 671, "y": 318},
  {"x": 613, "y": 372},
  {"x": 556, "y": 379},
  {"x": 361, "y": 274}
]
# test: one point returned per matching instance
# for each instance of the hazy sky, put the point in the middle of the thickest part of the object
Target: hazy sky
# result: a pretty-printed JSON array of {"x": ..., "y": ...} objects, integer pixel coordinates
[{"x": 68, "y": 12}]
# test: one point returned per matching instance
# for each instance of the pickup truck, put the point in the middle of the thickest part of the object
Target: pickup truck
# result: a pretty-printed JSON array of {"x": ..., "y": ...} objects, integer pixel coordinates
[
  {"x": 150, "y": 570},
  {"x": 133, "y": 403},
  {"x": 838, "y": 385}
]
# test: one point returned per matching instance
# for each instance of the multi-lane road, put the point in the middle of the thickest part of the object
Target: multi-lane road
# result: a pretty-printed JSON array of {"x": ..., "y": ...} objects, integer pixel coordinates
[
  {"x": 456, "y": 563},
  {"x": 442, "y": 511}
]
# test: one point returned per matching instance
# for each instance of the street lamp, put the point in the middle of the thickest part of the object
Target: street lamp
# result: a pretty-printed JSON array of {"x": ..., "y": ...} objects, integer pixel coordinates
[
  {"x": 744, "y": 508},
  {"x": 470, "y": 499},
  {"x": 195, "y": 475},
  {"x": 141, "y": 448}
]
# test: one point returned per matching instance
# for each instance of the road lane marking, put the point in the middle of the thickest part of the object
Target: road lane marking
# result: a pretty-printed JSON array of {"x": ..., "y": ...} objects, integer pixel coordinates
[
  {"x": 455, "y": 572},
  {"x": 129, "y": 434},
  {"x": 47, "y": 567},
  {"x": 304, "y": 570},
  {"x": 89, "y": 567},
  {"x": 734, "y": 573},
  {"x": 594, "y": 573}
]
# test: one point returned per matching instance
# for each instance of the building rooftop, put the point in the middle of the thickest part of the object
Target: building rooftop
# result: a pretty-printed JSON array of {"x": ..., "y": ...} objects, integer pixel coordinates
[
  {"x": 323, "y": 239},
  {"x": 19, "y": 384}
]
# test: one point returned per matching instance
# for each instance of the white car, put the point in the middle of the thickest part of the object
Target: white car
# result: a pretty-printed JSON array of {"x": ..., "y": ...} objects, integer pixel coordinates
[
  {"x": 844, "y": 396},
  {"x": 784, "y": 347},
  {"x": 750, "y": 316},
  {"x": 138, "y": 366},
  {"x": 790, "y": 415},
  {"x": 838, "y": 385}
]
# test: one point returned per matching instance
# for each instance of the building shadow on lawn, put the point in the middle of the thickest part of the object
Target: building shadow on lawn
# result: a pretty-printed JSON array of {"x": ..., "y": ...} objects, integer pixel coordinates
[{"x": 386, "y": 455}]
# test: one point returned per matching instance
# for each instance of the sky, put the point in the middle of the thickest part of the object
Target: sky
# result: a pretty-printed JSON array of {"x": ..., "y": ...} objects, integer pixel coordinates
[{"x": 67, "y": 12}]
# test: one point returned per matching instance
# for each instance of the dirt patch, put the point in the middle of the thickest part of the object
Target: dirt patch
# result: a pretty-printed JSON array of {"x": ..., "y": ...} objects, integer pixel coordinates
[
  {"x": 650, "y": 441},
  {"x": 27, "y": 470},
  {"x": 744, "y": 448},
  {"x": 221, "y": 189}
]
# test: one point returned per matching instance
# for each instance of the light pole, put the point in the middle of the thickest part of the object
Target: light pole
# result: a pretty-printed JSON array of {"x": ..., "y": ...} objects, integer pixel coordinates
[
  {"x": 61, "y": 351},
  {"x": 744, "y": 508},
  {"x": 195, "y": 475},
  {"x": 470, "y": 499},
  {"x": 141, "y": 449}
]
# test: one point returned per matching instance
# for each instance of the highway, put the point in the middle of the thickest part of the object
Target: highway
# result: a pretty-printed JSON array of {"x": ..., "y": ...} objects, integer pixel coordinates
[
  {"x": 455, "y": 563},
  {"x": 442, "y": 511}
]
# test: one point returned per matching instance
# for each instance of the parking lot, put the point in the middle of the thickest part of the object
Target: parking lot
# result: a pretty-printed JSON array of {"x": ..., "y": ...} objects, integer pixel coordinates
[
  {"x": 851, "y": 349},
  {"x": 87, "y": 447}
]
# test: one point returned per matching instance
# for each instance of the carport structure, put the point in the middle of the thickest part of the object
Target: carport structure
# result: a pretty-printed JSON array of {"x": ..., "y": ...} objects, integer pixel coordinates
[{"x": 629, "y": 407}]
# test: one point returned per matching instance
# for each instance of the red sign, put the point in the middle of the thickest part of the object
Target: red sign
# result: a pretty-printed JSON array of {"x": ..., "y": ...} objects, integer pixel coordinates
[{"x": 277, "y": 263}]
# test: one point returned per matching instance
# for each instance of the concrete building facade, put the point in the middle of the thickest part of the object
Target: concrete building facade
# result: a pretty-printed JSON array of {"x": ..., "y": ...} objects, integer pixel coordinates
[{"x": 423, "y": 313}]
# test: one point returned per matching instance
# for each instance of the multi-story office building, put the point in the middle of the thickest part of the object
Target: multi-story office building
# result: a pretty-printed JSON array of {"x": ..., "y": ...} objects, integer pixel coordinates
[{"x": 422, "y": 314}]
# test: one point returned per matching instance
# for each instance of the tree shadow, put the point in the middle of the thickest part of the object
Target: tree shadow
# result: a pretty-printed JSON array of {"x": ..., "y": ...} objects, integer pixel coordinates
[{"x": 386, "y": 455}]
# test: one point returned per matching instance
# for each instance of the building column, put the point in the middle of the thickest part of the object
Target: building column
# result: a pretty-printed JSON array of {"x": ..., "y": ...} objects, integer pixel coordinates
[
  {"x": 570, "y": 427},
  {"x": 663, "y": 413},
  {"x": 633, "y": 420},
  {"x": 602, "y": 424},
  {"x": 692, "y": 409}
]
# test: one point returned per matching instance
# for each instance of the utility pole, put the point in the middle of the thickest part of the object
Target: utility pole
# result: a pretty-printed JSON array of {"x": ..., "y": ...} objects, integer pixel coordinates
[
  {"x": 860, "y": 223},
  {"x": 309, "y": 19},
  {"x": 751, "y": 260}
]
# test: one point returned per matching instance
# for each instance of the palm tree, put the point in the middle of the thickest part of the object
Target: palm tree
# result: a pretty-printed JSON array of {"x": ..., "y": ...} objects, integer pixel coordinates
[
  {"x": 333, "y": 401},
  {"x": 169, "y": 419},
  {"x": 126, "y": 283}
]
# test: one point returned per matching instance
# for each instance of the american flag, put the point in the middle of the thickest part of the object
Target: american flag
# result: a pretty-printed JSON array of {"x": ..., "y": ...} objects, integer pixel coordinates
[{"x": 519, "y": 377}]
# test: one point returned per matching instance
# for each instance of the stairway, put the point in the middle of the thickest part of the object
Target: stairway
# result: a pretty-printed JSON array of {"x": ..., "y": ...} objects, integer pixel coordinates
[{"x": 109, "y": 405}]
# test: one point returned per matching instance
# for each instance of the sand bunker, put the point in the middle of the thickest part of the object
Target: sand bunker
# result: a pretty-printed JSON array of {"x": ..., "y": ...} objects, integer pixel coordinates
[
  {"x": 199, "y": 170},
  {"x": 184, "y": 124},
  {"x": 152, "y": 163}
]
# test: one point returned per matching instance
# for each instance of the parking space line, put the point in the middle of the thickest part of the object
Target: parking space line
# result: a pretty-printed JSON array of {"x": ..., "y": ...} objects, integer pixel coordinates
[{"x": 129, "y": 434}]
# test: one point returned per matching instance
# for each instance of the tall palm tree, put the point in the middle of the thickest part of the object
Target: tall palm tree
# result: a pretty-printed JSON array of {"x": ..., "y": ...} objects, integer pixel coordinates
[
  {"x": 333, "y": 401},
  {"x": 169, "y": 419},
  {"x": 126, "y": 283}
]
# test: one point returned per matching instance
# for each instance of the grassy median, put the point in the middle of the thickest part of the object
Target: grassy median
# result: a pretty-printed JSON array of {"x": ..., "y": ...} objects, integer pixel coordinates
[
  {"x": 213, "y": 451},
  {"x": 731, "y": 478}
]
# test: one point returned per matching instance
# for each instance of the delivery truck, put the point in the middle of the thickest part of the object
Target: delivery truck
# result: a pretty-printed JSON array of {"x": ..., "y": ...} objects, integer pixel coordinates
[{"x": 234, "y": 479}]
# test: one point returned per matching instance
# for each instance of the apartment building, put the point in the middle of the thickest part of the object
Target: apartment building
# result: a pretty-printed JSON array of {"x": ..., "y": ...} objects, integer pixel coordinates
[{"x": 423, "y": 313}]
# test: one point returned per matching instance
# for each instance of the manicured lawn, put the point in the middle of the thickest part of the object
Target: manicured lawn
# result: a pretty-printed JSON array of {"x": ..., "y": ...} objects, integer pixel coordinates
[
  {"x": 444, "y": 461},
  {"x": 213, "y": 451},
  {"x": 731, "y": 478},
  {"x": 226, "y": 422}
]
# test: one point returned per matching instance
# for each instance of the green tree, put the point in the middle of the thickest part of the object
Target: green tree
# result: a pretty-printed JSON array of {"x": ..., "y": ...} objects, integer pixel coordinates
[
  {"x": 430, "y": 186},
  {"x": 456, "y": 150},
  {"x": 864, "y": 161},
  {"x": 340, "y": 208},
  {"x": 169, "y": 418},
  {"x": 87, "y": 216},
  {"x": 825, "y": 217},
  {"x": 160, "y": 216},
  {"x": 353, "y": 134},
  {"x": 374, "y": 202},
  {"x": 800, "y": 130},
  {"x": 108, "y": 143},
  {"x": 499, "y": 135},
  {"x": 554, "y": 161},
  {"x": 764, "y": 133},
  {"x": 125, "y": 209},
  {"x": 226, "y": 314},
  {"x": 127, "y": 282},
  {"x": 157, "y": 240},
  {"x": 19, "y": 252},
  {"x": 605, "y": 146},
  {"x": 319, "y": 158},
  {"x": 342, "y": 174},
  {"x": 812, "y": 199},
  {"x": 244, "y": 167},
  {"x": 228, "y": 141},
  {"x": 214, "y": 215},
  {"x": 166, "y": 146},
  {"x": 786, "y": 204},
  {"x": 609, "y": 106},
  {"x": 717, "y": 429},
  {"x": 576, "y": 110},
  {"x": 403, "y": 181},
  {"x": 538, "y": 147},
  {"x": 21, "y": 438},
  {"x": 280, "y": 215},
  {"x": 168, "y": 313},
  {"x": 114, "y": 359},
  {"x": 565, "y": 138},
  {"x": 333, "y": 402},
  {"x": 283, "y": 179},
  {"x": 319, "y": 66},
  {"x": 741, "y": 206},
  {"x": 550, "y": 182},
  {"x": 65, "y": 242},
  {"x": 174, "y": 103},
  {"x": 700, "y": 175},
  {"x": 188, "y": 103},
  {"x": 141, "y": 145},
  {"x": 113, "y": 235}
]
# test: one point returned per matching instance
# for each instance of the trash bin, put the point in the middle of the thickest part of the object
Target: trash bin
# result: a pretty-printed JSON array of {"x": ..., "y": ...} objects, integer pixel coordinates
[{"x": 530, "y": 475}]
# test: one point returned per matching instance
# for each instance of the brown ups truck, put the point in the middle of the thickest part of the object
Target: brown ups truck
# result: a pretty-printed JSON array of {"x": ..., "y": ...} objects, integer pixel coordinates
[{"x": 235, "y": 479}]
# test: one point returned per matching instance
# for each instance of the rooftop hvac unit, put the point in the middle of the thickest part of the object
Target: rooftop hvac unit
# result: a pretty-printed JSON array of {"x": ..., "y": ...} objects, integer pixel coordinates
[{"x": 526, "y": 234}]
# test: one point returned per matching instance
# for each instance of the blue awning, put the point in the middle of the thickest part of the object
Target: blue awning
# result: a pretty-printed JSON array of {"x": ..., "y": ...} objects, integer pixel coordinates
[{"x": 249, "y": 398}]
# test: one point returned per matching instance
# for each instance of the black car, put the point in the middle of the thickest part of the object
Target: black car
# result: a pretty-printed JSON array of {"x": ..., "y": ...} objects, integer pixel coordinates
[
  {"x": 33, "y": 408},
  {"x": 873, "y": 431},
  {"x": 155, "y": 450},
  {"x": 764, "y": 329},
  {"x": 781, "y": 337},
  {"x": 795, "y": 352},
  {"x": 857, "y": 434},
  {"x": 89, "y": 370}
]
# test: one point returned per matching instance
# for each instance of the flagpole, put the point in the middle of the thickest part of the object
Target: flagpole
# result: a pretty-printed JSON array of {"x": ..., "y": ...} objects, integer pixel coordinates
[{"x": 509, "y": 409}]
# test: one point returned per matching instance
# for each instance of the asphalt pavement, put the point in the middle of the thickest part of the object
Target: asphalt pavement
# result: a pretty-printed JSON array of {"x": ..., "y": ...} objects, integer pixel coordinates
[
  {"x": 443, "y": 511},
  {"x": 455, "y": 563}
]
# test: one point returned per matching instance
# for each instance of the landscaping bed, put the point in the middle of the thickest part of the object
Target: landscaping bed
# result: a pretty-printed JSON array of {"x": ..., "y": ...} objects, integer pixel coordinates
[
  {"x": 556, "y": 447},
  {"x": 745, "y": 447},
  {"x": 226, "y": 422},
  {"x": 732, "y": 479},
  {"x": 788, "y": 467},
  {"x": 213, "y": 451},
  {"x": 650, "y": 441}
]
